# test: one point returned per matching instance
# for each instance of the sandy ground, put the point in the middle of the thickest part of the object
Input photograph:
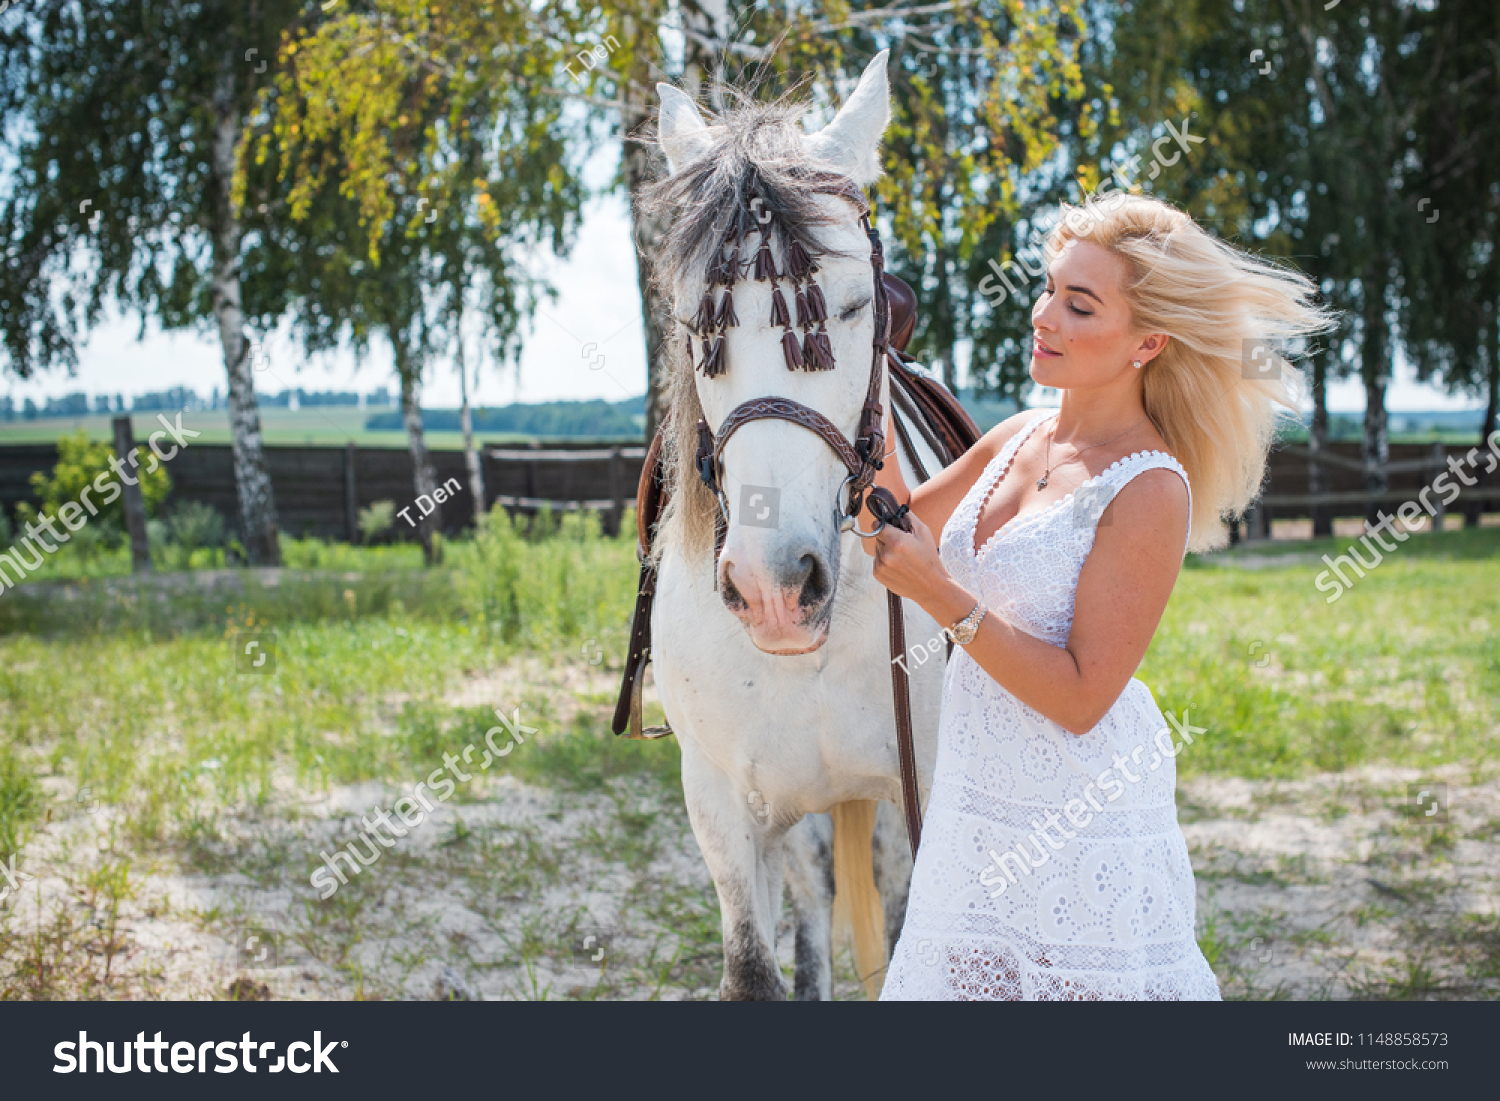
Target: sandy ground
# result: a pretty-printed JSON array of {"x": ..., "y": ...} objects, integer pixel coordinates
[{"x": 1334, "y": 887}]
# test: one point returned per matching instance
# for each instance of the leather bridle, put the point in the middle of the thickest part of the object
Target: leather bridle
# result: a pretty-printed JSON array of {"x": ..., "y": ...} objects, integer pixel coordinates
[{"x": 862, "y": 456}]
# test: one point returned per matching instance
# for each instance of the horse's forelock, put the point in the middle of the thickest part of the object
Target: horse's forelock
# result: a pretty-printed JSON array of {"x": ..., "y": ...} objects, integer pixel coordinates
[{"x": 756, "y": 150}]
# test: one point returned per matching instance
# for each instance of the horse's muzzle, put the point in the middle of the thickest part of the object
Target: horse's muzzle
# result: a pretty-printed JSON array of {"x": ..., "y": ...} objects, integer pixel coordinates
[{"x": 784, "y": 605}]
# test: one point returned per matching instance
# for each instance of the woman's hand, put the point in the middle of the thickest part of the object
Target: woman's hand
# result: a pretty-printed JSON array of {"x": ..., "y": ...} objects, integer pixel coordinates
[{"x": 909, "y": 566}]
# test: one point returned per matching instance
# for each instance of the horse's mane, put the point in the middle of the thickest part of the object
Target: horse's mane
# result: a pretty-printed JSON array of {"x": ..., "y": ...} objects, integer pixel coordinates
[{"x": 755, "y": 151}]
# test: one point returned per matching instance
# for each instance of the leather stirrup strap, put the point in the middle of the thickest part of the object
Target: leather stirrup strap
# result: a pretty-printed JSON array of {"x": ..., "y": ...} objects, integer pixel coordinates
[{"x": 883, "y": 507}]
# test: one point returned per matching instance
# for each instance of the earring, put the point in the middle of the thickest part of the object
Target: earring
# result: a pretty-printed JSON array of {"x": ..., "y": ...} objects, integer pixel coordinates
[{"x": 1136, "y": 364}]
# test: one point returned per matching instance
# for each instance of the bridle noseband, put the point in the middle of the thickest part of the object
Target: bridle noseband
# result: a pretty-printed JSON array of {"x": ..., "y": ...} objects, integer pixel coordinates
[{"x": 862, "y": 456}]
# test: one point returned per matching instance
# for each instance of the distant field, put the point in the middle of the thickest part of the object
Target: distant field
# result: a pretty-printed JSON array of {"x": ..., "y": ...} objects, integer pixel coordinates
[{"x": 331, "y": 426}]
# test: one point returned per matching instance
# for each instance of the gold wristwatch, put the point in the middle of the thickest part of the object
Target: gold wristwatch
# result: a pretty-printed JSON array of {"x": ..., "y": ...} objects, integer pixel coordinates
[{"x": 965, "y": 629}]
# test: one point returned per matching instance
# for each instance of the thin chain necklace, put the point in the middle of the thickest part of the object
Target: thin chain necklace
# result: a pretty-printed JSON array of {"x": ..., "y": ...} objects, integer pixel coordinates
[{"x": 1041, "y": 483}]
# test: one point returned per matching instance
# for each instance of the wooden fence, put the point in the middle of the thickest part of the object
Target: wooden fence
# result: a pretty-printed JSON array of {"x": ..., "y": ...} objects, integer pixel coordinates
[
  {"x": 320, "y": 490},
  {"x": 1411, "y": 468}
]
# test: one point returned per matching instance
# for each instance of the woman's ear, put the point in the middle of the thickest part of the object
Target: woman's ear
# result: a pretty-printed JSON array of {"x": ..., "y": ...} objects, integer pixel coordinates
[{"x": 1151, "y": 347}]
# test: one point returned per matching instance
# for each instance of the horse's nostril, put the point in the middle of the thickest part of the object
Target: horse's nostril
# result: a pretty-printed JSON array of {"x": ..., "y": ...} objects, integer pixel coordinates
[
  {"x": 734, "y": 600},
  {"x": 814, "y": 577}
]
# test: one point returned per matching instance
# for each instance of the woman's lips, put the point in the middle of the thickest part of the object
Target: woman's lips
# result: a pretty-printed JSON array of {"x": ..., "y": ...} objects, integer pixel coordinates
[{"x": 1040, "y": 349}]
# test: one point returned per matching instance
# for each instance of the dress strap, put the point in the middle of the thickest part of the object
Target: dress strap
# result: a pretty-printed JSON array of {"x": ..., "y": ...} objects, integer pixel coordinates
[{"x": 1122, "y": 471}]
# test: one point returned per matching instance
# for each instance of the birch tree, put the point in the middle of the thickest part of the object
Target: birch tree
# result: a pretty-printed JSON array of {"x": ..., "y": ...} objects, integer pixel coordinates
[{"x": 122, "y": 119}]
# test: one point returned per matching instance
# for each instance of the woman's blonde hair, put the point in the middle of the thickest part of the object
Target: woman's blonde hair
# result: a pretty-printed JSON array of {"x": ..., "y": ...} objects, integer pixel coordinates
[{"x": 1225, "y": 313}]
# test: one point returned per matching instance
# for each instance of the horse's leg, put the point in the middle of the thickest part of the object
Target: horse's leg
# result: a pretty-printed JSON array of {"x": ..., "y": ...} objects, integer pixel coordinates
[
  {"x": 809, "y": 880},
  {"x": 743, "y": 854},
  {"x": 892, "y": 852}
]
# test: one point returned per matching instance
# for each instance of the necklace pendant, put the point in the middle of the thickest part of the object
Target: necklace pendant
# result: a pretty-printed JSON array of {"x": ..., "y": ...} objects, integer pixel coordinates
[{"x": 1041, "y": 483}]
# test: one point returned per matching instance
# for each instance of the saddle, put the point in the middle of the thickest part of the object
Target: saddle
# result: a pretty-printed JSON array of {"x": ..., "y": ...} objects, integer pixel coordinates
[{"x": 924, "y": 409}]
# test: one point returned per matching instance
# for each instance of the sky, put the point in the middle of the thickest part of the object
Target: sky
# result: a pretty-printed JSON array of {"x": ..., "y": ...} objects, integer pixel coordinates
[{"x": 586, "y": 344}]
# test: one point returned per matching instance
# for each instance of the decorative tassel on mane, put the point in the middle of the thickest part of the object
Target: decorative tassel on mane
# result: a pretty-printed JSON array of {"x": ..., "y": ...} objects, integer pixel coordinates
[
  {"x": 817, "y": 308},
  {"x": 704, "y": 320},
  {"x": 727, "y": 318},
  {"x": 803, "y": 321},
  {"x": 791, "y": 348},
  {"x": 798, "y": 264},
  {"x": 765, "y": 266},
  {"x": 729, "y": 270},
  {"x": 713, "y": 361},
  {"x": 779, "y": 315},
  {"x": 818, "y": 352}
]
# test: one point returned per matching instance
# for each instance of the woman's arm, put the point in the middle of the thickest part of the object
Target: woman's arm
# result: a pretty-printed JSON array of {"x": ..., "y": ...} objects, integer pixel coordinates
[
  {"x": 934, "y": 500},
  {"x": 1121, "y": 595}
]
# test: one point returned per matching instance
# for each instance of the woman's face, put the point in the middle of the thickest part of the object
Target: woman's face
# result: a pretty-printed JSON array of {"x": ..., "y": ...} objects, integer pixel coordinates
[{"x": 1083, "y": 332}]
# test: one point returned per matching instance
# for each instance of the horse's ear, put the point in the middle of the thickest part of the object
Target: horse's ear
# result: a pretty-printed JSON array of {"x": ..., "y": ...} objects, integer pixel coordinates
[
  {"x": 851, "y": 142},
  {"x": 681, "y": 131}
]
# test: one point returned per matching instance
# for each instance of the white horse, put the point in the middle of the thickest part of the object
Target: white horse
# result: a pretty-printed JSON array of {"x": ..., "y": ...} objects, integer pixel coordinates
[{"x": 773, "y": 664}]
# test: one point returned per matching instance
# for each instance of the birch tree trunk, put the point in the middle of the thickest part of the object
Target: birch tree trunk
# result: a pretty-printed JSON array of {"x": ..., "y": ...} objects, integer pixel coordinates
[
  {"x": 424, "y": 481},
  {"x": 643, "y": 163},
  {"x": 258, "y": 523},
  {"x": 466, "y": 424},
  {"x": 1375, "y": 445}
]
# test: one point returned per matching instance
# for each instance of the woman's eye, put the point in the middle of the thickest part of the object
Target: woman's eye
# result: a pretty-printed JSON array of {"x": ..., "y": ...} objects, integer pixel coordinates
[{"x": 1080, "y": 313}]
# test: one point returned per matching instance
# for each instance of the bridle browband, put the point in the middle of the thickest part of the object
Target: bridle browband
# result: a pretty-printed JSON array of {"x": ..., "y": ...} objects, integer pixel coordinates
[{"x": 862, "y": 456}]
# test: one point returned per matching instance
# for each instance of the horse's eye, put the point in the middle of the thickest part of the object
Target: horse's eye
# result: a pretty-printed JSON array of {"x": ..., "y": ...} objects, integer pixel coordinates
[{"x": 851, "y": 312}]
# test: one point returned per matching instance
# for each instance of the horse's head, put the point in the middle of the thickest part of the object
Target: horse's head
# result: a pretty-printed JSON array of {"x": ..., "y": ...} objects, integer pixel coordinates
[{"x": 776, "y": 296}]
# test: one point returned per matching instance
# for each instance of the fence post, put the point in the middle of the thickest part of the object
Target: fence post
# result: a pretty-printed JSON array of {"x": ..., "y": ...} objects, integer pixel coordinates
[
  {"x": 616, "y": 492},
  {"x": 351, "y": 494},
  {"x": 135, "y": 504},
  {"x": 1440, "y": 461},
  {"x": 533, "y": 445}
]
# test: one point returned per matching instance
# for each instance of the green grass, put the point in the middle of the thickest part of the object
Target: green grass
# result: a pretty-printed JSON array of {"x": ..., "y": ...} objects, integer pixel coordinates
[
  {"x": 133, "y": 689},
  {"x": 1404, "y": 667}
]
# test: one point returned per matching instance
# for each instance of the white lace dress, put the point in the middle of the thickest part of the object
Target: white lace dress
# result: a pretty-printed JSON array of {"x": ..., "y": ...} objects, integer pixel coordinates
[{"x": 1046, "y": 871}]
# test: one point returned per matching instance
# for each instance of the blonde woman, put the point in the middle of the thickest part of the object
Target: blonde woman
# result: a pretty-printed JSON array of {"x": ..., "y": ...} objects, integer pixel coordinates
[{"x": 1051, "y": 863}]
